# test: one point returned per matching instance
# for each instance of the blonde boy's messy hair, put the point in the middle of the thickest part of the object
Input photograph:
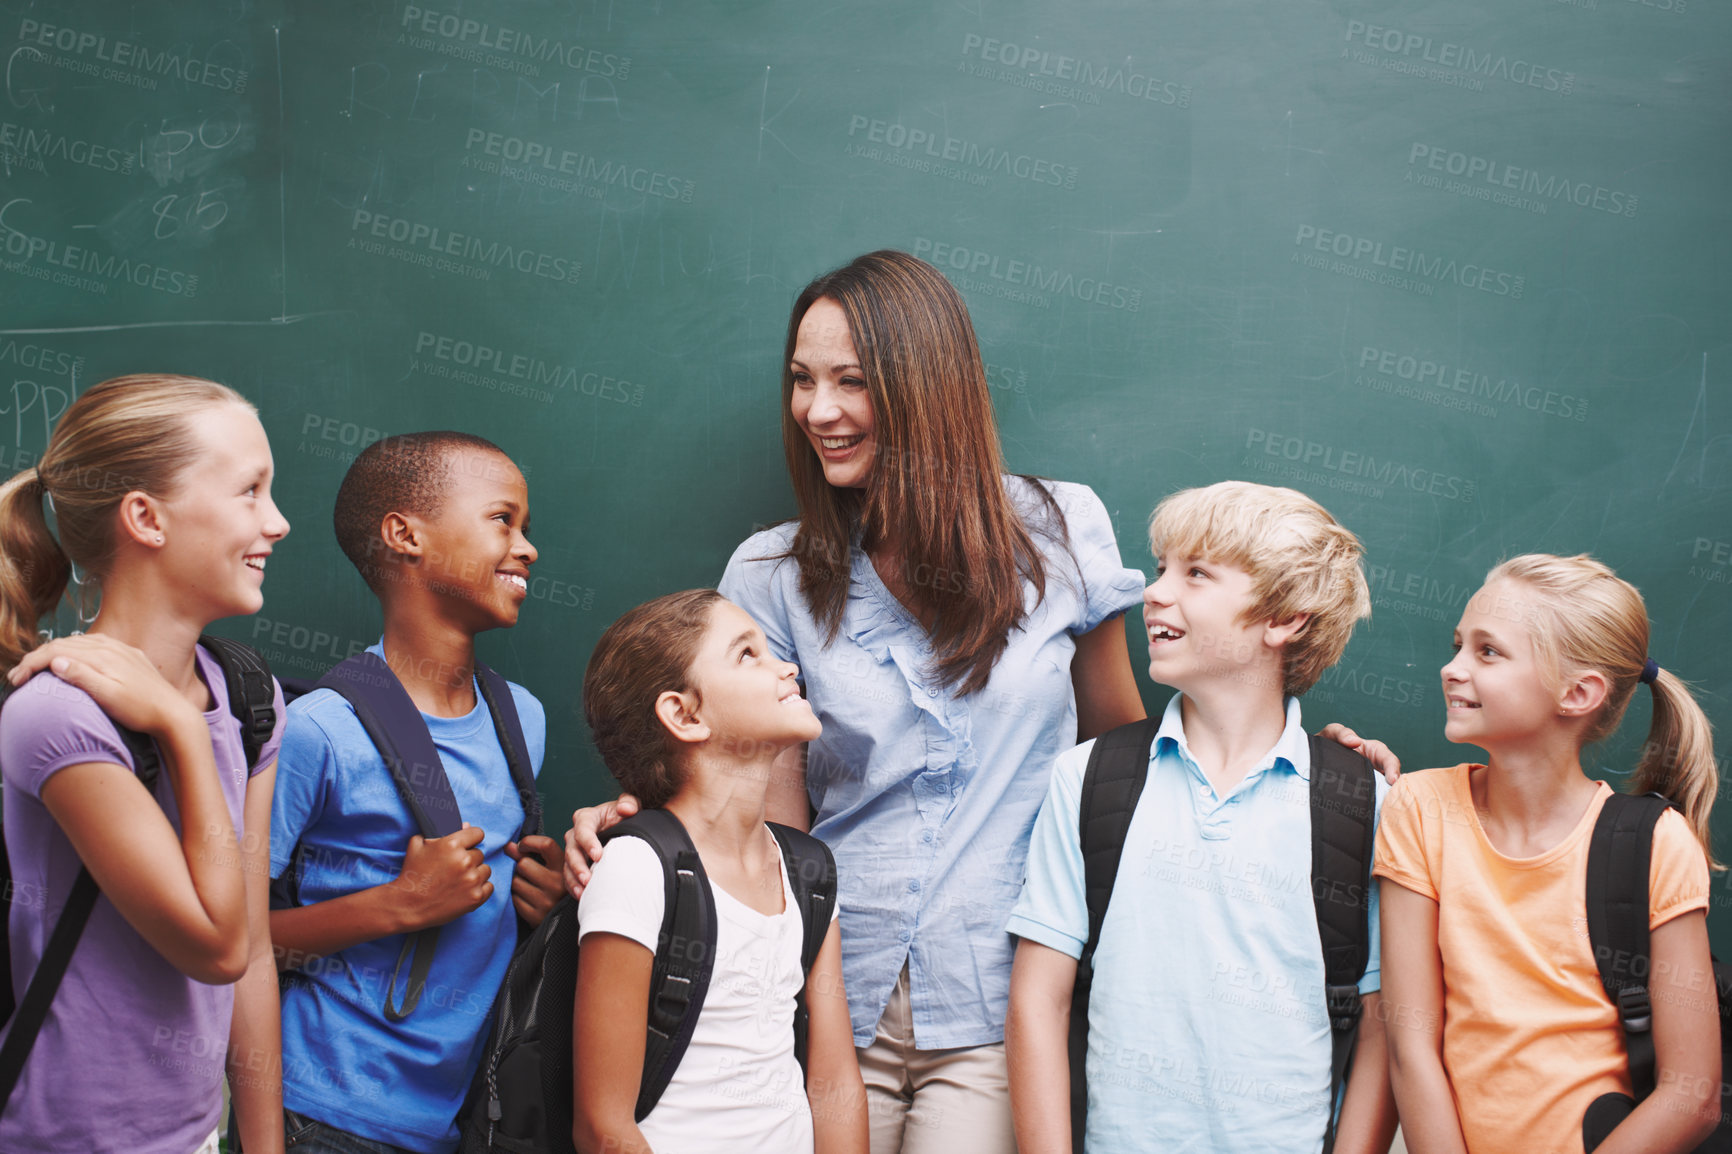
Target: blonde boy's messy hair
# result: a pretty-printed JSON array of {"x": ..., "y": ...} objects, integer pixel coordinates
[{"x": 1301, "y": 560}]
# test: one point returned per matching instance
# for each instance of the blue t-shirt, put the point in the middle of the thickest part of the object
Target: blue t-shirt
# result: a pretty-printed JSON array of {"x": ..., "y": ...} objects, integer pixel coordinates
[
  {"x": 1207, "y": 1027},
  {"x": 343, "y": 1062},
  {"x": 925, "y": 795}
]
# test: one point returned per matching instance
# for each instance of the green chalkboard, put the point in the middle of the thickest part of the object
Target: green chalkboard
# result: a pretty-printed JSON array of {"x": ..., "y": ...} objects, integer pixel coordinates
[{"x": 1458, "y": 269}]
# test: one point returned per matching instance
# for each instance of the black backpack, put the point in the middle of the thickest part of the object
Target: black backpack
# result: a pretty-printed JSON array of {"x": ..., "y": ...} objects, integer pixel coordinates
[
  {"x": 1343, "y": 822},
  {"x": 521, "y": 1101},
  {"x": 1617, "y": 906},
  {"x": 398, "y": 731},
  {"x": 252, "y": 698}
]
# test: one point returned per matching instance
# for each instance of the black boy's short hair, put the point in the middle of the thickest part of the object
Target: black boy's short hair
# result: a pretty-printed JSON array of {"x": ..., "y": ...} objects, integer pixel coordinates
[{"x": 407, "y": 473}]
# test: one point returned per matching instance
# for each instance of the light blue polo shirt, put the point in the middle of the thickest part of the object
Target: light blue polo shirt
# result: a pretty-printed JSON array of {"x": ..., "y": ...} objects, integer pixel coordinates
[{"x": 1207, "y": 1029}]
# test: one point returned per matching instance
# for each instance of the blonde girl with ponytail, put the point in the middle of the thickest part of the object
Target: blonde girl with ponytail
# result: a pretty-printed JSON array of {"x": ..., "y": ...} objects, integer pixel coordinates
[
  {"x": 156, "y": 491},
  {"x": 1500, "y": 1031}
]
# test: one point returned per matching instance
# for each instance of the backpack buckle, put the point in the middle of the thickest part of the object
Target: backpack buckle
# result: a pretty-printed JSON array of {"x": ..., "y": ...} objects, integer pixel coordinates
[
  {"x": 1345, "y": 1006},
  {"x": 671, "y": 1003},
  {"x": 263, "y": 721},
  {"x": 1634, "y": 1009}
]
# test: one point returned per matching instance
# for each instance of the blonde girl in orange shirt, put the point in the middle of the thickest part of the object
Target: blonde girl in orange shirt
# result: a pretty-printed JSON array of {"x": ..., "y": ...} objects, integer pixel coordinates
[{"x": 1500, "y": 1032}]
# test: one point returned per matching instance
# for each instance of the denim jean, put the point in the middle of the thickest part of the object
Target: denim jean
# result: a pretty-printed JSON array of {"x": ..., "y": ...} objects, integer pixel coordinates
[{"x": 308, "y": 1136}]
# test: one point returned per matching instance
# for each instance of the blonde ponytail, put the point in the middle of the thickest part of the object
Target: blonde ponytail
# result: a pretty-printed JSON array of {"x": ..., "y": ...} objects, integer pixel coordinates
[
  {"x": 1678, "y": 757},
  {"x": 128, "y": 434},
  {"x": 33, "y": 570},
  {"x": 1586, "y": 617}
]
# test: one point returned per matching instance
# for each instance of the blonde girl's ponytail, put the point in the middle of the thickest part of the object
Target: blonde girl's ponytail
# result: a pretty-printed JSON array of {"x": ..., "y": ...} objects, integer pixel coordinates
[
  {"x": 1678, "y": 757},
  {"x": 33, "y": 570},
  {"x": 1586, "y": 617},
  {"x": 128, "y": 434}
]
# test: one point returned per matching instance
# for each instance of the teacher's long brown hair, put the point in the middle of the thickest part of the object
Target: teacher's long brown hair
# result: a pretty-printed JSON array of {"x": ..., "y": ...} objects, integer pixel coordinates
[{"x": 936, "y": 490}]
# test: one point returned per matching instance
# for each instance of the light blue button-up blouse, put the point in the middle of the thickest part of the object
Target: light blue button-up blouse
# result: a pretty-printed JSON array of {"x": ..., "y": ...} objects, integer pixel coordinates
[{"x": 926, "y": 797}]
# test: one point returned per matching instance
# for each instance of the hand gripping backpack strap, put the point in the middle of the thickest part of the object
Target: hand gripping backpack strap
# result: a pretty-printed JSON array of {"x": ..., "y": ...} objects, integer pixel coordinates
[
  {"x": 1118, "y": 768},
  {"x": 680, "y": 975},
  {"x": 812, "y": 876},
  {"x": 1343, "y": 828},
  {"x": 26, "y": 1021},
  {"x": 496, "y": 692},
  {"x": 252, "y": 693},
  {"x": 399, "y": 733},
  {"x": 1619, "y": 855}
]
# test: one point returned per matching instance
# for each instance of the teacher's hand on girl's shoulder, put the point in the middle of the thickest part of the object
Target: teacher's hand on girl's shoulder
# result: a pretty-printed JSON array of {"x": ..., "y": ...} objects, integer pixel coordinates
[
  {"x": 583, "y": 839},
  {"x": 119, "y": 677}
]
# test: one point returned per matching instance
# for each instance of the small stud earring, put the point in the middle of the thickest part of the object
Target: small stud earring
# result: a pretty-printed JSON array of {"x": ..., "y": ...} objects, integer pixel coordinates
[{"x": 159, "y": 538}]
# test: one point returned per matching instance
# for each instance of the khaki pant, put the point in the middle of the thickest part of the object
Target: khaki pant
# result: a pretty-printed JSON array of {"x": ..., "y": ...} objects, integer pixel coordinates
[{"x": 933, "y": 1101}]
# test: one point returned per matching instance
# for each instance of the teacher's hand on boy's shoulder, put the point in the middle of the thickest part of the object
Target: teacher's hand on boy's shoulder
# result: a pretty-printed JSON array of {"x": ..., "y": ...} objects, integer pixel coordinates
[
  {"x": 536, "y": 883},
  {"x": 1370, "y": 749},
  {"x": 583, "y": 839},
  {"x": 119, "y": 678},
  {"x": 443, "y": 878}
]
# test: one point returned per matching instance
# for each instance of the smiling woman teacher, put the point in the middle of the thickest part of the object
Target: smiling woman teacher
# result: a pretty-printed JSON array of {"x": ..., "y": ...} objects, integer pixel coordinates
[{"x": 955, "y": 628}]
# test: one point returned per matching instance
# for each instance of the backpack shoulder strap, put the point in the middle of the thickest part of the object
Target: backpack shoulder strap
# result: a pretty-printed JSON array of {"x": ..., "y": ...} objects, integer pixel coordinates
[
  {"x": 496, "y": 692},
  {"x": 1118, "y": 768},
  {"x": 812, "y": 876},
  {"x": 32, "y": 1012},
  {"x": 252, "y": 693},
  {"x": 25, "y": 1021},
  {"x": 1343, "y": 803},
  {"x": 1619, "y": 855},
  {"x": 680, "y": 975},
  {"x": 296, "y": 687},
  {"x": 399, "y": 732}
]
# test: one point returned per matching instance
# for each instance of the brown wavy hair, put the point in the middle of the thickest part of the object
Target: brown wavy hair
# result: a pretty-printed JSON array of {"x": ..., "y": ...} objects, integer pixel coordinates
[
  {"x": 936, "y": 489},
  {"x": 647, "y": 652},
  {"x": 124, "y": 435}
]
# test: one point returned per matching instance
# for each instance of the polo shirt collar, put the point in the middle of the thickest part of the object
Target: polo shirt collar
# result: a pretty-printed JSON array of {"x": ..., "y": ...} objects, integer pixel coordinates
[{"x": 1293, "y": 747}]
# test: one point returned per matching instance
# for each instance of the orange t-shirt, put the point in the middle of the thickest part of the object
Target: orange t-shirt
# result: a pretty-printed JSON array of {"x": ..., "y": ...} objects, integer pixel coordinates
[{"x": 1529, "y": 1036}]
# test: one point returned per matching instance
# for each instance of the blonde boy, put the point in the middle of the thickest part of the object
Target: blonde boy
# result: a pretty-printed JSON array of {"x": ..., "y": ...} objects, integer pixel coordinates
[{"x": 1207, "y": 1021}]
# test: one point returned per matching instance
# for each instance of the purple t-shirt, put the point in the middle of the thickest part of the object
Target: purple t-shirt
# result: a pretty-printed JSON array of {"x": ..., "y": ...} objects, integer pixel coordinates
[{"x": 131, "y": 1056}]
